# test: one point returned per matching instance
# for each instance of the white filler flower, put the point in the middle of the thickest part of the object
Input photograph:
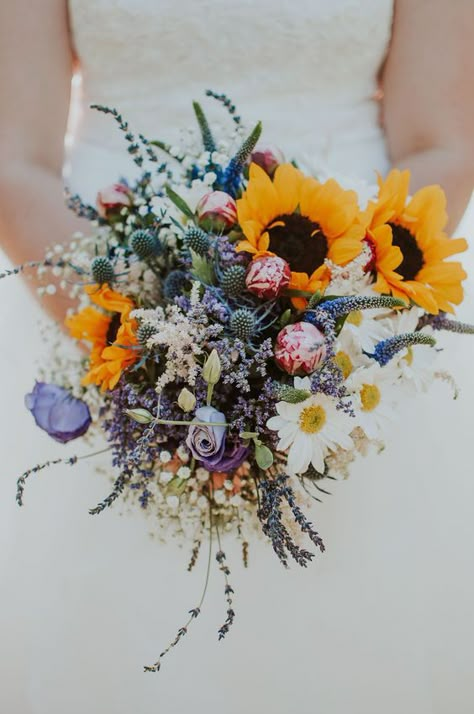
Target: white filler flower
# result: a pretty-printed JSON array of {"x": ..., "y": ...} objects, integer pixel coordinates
[
  {"x": 372, "y": 393},
  {"x": 310, "y": 429}
]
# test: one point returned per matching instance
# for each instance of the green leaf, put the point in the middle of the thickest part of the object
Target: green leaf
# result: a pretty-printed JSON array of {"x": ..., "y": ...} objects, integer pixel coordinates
[
  {"x": 179, "y": 202},
  {"x": 206, "y": 134},
  {"x": 202, "y": 269},
  {"x": 248, "y": 434},
  {"x": 263, "y": 457}
]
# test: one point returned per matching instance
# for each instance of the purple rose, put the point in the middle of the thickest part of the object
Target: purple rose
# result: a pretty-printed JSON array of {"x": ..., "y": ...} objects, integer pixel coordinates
[
  {"x": 56, "y": 411},
  {"x": 207, "y": 441},
  {"x": 230, "y": 459}
]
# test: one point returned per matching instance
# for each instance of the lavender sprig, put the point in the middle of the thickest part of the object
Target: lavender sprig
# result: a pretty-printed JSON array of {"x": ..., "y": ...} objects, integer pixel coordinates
[
  {"x": 193, "y": 613},
  {"x": 77, "y": 206},
  {"x": 226, "y": 102},
  {"x": 273, "y": 492},
  {"x": 133, "y": 146},
  {"x": 117, "y": 489},
  {"x": 228, "y": 590},
  {"x": 70, "y": 461}
]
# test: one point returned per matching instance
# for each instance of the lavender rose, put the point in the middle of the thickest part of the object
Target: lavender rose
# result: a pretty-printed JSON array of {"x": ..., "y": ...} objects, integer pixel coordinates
[
  {"x": 230, "y": 459},
  {"x": 208, "y": 441},
  {"x": 57, "y": 412}
]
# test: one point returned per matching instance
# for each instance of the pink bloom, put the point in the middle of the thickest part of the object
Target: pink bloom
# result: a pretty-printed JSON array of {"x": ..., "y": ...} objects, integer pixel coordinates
[
  {"x": 268, "y": 157},
  {"x": 268, "y": 276},
  {"x": 371, "y": 262},
  {"x": 217, "y": 211},
  {"x": 113, "y": 198},
  {"x": 300, "y": 348}
]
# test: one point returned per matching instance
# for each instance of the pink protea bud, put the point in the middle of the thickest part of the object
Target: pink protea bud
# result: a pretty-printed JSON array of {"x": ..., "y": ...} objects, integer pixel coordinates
[
  {"x": 268, "y": 276},
  {"x": 268, "y": 157},
  {"x": 216, "y": 212},
  {"x": 300, "y": 348},
  {"x": 113, "y": 198},
  {"x": 370, "y": 252}
]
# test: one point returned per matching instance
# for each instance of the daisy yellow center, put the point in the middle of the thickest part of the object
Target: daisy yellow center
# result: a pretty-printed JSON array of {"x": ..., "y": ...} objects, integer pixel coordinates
[
  {"x": 344, "y": 363},
  {"x": 298, "y": 240},
  {"x": 312, "y": 419},
  {"x": 370, "y": 397},
  {"x": 413, "y": 259},
  {"x": 355, "y": 318},
  {"x": 409, "y": 356}
]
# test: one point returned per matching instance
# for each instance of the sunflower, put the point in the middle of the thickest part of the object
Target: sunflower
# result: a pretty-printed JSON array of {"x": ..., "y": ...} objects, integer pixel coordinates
[
  {"x": 411, "y": 246},
  {"x": 302, "y": 221},
  {"x": 112, "y": 337}
]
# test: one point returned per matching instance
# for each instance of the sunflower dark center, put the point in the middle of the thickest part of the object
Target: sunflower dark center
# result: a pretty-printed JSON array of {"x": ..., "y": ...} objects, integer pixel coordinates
[
  {"x": 299, "y": 241},
  {"x": 413, "y": 259},
  {"x": 113, "y": 328}
]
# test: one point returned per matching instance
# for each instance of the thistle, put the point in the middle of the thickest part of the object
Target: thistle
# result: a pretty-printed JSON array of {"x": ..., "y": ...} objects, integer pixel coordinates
[
  {"x": 233, "y": 280},
  {"x": 174, "y": 284},
  {"x": 145, "y": 331},
  {"x": 145, "y": 244},
  {"x": 102, "y": 270},
  {"x": 197, "y": 240},
  {"x": 242, "y": 323}
]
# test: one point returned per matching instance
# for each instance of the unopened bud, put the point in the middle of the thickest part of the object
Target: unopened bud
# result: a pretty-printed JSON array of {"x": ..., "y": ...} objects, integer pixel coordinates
[
  {"x": 186, "y": 400},
  {"x": 211, "y": 372},
  {"x": 141, "y": 416}
]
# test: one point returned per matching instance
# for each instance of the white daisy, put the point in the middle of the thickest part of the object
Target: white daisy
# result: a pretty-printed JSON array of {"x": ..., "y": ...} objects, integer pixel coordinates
[
  {"x": 348, "y": 353},
  {"x": 416, "y": 364},
  {"x": 310, "y": 429},
  {"x": 367, "y": 328},
  {"x": 372, "y": 391}
]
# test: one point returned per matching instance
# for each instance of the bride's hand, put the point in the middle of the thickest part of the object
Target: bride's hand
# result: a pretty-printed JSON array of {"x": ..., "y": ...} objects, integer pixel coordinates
[
  {"x": 428, "y": 99},
  {"x": 36, "y": 65}
]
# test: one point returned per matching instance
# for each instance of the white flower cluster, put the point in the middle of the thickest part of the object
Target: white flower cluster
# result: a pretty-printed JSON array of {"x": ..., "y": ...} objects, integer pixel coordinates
[
  {"x": 179, "y": 338},
  {"x": 315, "y": 432}
]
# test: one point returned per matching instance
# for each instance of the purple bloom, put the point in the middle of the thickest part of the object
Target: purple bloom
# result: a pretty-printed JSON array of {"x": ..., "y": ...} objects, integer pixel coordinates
[
  {"x": 208, "y": 441},
  {"x": 56, "y": 411},
  {"x": 230, "y": 459}
]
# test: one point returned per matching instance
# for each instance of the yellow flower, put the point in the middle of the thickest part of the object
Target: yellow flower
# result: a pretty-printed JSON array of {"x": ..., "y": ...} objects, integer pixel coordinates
[
  {"x": 112, "y": 337},
  {"x": 411, "y": 245},
  {"x": 302, "y": 221}
]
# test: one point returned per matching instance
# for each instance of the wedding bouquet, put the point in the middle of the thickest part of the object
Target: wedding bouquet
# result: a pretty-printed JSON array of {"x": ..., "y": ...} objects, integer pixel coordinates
[{"x": 249, "y": 329}]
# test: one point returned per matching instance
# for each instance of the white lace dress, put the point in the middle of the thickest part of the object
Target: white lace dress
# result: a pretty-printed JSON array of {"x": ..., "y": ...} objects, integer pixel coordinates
[{"x": 382, "y": 622}]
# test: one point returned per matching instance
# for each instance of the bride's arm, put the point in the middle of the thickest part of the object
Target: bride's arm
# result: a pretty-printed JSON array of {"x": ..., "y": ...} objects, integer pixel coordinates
[
  {"x": 35, "y": 79},
  {"x": 428, "y": 103}
]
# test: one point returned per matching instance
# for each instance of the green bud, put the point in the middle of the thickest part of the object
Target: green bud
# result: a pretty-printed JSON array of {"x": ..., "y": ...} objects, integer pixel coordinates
[
  {"x": 211, "y": 372},
  {"x": 186, "y": 400},
  {"x": 141, "y": 416},
  {"x": 293, "y": 395}
]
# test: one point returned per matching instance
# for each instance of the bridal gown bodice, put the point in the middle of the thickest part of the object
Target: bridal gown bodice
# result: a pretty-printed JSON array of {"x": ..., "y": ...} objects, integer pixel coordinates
[
  {"x": 307, "y": 70},
  {"x": 382, "y": 621}
]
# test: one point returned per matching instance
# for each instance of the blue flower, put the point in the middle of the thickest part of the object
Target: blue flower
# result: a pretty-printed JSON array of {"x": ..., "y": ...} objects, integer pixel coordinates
[{"x": 57, "y": 412}]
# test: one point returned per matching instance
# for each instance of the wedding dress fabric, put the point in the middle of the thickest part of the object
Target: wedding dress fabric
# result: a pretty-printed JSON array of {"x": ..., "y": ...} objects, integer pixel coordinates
[{"x": 382, "y": 622}]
